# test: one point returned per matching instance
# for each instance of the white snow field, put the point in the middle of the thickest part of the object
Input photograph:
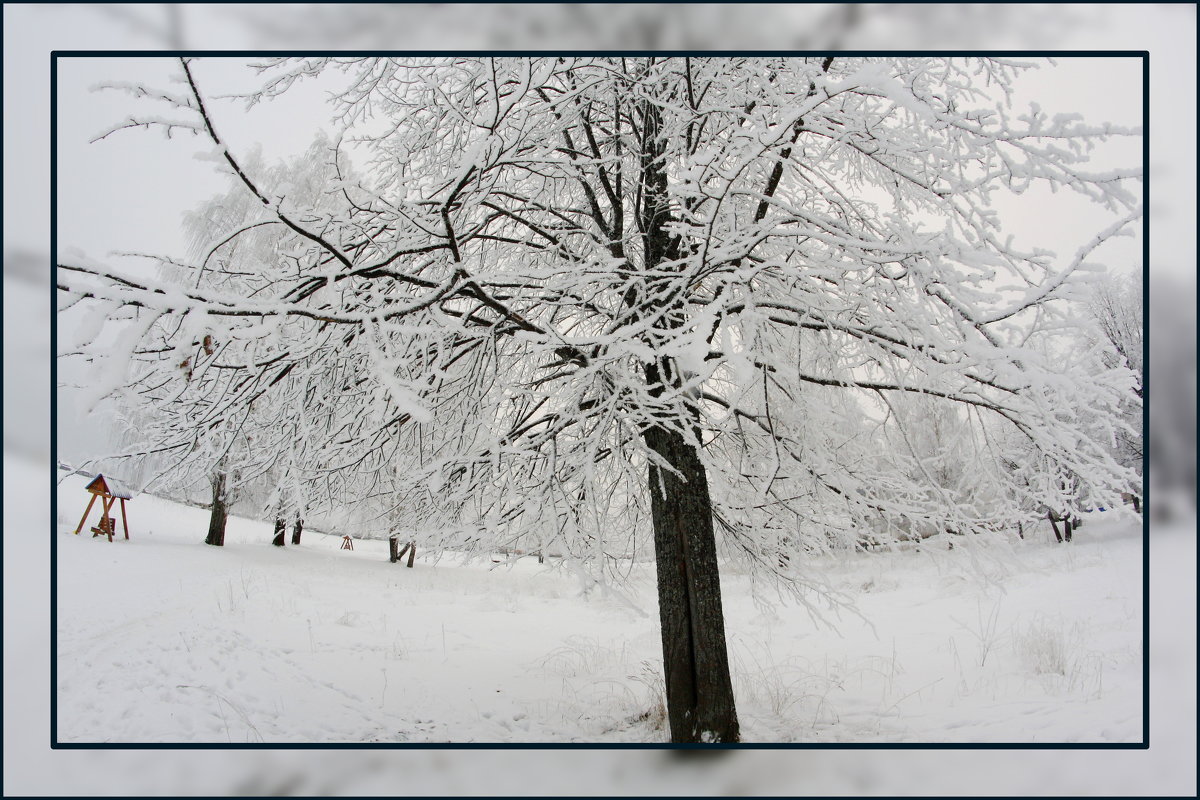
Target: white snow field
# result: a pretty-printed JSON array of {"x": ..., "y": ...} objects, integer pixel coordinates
[{"x": 162, "y": 638}]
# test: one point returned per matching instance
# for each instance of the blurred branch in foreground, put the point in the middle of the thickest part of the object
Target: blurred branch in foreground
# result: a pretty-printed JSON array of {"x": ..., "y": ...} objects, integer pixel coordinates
[
  {"x": 1172, "y": 429},
  {"x": 566, "y": 26}
]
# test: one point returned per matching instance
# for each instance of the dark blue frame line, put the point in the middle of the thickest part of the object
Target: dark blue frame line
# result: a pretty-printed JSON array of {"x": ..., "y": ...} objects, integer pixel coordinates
[
  {"x": 1145, "y": 399},
  {"x": 56, "y": 745},
  {"x": 53, "y": 401}
]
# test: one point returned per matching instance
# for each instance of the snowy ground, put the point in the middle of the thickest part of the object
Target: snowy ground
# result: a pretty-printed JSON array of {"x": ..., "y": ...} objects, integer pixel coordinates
[{"x": 164, "y": 639}]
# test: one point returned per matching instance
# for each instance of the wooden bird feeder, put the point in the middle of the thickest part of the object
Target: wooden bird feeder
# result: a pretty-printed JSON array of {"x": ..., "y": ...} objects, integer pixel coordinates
[{"x": 109, "y": 491}]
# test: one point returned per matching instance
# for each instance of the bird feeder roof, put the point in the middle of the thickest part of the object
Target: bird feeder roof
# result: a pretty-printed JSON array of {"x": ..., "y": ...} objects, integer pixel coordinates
[{"x": 103, "y": 484}]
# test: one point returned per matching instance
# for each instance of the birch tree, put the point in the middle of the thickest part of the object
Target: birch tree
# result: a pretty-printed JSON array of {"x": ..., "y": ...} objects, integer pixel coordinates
[{"x": 580, "y": 298}]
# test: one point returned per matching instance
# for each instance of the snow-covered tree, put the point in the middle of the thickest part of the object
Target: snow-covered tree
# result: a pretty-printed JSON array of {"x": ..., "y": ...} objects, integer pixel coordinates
[
  {"x": 580, "y": 297},
  {"x": 188, "y": 376},
  {"x": 934, "y": 447},
  {"x": 1116, "y": 307}
]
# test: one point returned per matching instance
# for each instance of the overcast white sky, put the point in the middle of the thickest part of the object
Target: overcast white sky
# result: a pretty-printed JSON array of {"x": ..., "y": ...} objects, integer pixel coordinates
[{"x": 127, "y": 191}]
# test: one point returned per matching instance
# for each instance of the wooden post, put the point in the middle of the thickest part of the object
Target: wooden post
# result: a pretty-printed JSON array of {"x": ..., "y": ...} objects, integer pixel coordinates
[
  {"x": 412, "y": 551},
  {"x": 124, "y": 518},
  {"x": 106, "y": 522},
  {"x": 91, "y": 503},
  {"x": 106, "y": 526}
]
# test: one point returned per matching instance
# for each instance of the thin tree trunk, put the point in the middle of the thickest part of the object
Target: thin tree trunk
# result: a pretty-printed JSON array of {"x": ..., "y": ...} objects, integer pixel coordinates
[
  {"x": 1054, "y": 524},
  {"x": 297, "y": 530},
  {"x": 700, "y": 705},
  {"x": 216, "y": 522},
  {"x": 280, "y": 532}
]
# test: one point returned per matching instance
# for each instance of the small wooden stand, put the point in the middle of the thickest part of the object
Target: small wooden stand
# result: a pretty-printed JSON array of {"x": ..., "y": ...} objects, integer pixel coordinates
[
  {"x": 347, "y": 543},
  {"x": 109, "y": 492}
]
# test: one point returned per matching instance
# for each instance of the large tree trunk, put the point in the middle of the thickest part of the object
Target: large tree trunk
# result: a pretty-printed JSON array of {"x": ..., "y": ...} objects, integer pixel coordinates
[
  {"x": 297, "y": 530},
  {"x": 280, "y": 539},
  {"x": 216, "y": 522},
  {"x": 700, "y": 704}
]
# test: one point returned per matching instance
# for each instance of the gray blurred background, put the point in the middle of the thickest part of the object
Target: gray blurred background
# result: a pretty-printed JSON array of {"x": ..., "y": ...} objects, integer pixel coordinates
[{"x": 31, "y": 32}]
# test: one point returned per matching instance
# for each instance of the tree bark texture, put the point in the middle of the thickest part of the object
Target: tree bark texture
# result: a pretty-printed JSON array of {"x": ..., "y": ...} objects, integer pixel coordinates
[
  {"x": 1067, "y": 530},
  {"x": 297, "y": 530},
  {"x": 700, "y": 705},
  {"x": 216, "y": 522},
  {"x": 280, "y": 532}
]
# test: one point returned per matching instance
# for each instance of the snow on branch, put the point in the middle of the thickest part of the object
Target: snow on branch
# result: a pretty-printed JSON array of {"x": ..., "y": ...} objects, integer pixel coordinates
[{"x": 543, "y": 268}]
